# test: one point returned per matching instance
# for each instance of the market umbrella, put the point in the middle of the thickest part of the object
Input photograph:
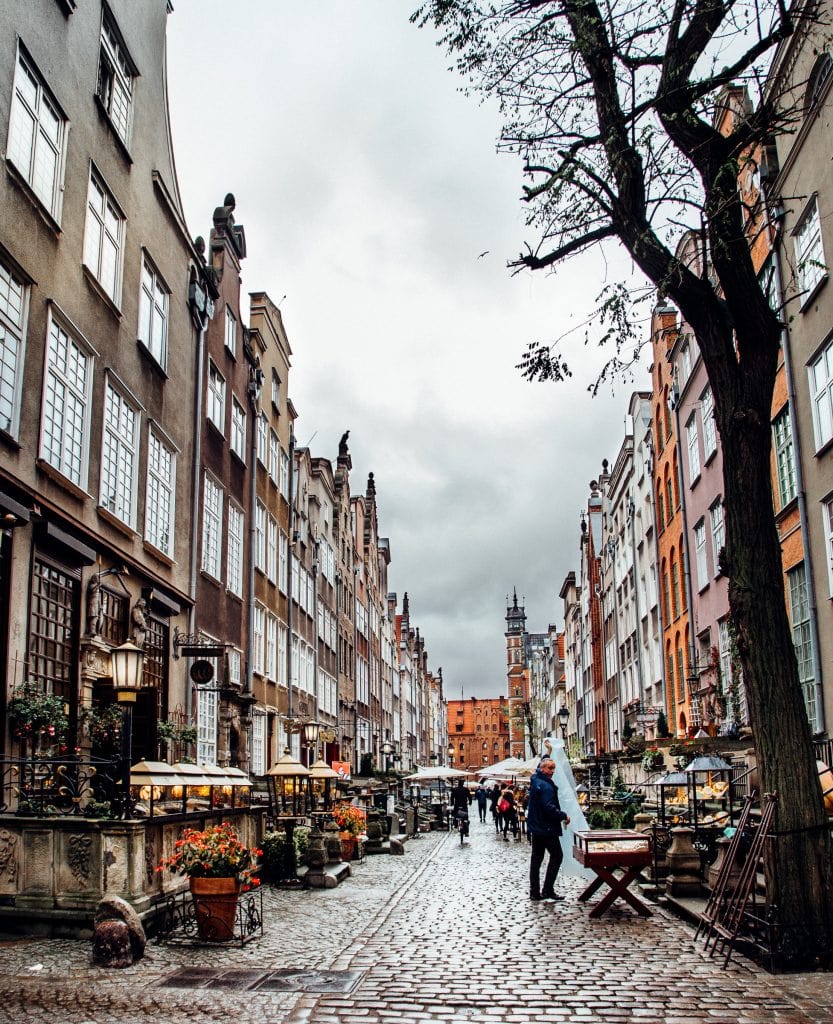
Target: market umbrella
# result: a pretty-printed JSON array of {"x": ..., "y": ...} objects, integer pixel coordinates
[{"x": 439, "y": 772}]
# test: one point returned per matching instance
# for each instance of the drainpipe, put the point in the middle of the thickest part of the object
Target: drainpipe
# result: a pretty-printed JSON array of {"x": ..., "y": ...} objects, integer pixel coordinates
[{"x": 802, "y": 499}]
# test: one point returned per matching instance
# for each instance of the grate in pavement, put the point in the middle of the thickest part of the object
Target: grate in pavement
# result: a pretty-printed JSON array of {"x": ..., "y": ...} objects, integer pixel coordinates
[{"x": 286, "y": 980}]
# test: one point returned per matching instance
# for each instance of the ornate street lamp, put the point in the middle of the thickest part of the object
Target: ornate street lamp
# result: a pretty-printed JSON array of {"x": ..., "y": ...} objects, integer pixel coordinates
[
  {"x": 563, "y": 719},
  {"x": 387, "y": 750},
  {"x": 127, "y": 663},
  {"x": 311, "y": 731}
]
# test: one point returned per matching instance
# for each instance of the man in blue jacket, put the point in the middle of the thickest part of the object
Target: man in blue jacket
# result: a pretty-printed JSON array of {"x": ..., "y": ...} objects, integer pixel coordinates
[{"x": 543, "y": 824}]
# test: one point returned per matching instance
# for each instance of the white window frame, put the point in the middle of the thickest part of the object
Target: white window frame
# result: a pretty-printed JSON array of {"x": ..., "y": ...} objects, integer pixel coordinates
[
  {"x": 234, "y": 552},
  {"x": 701, "y": 554},
  {"x": 118, "y": 485},
  {"x": 827, "y": 519},
  {"x": 809, "y": 251},
  {"x": 284, "y": 475},
  {"x": 693, "y": 445},
  {"x": 230, "y": 336},
  {"x": 104, "y": 237},
  {"x": 782, "y": 444},
  {"x": 258, "y": 631},
  {"x": 263, "y": 440},
  {"x": 283, "y": 563},
  {"x": 709, "y": 425},
  {"x": 234, "y": 662},
  {"x": 274, "y": 456},
  {"x": 270, "y": 665},
  {"x": 206, "y": 726},
  {"x": 216, "y": 397},
  {"x": 258, "y": 743},
  {"x": 272, "y": 548},
  {"x": 153, "y": 313},
  {"x": 116, "y": 72},
  {"x": 238, "y": 429},
  {"x": 820, "y": 373},
  {"x": 160, "y": 495},
  {"x": 14, "y": 315},
  {"x": 260, "y": 537},
  {"x": 799, "y": 607},
  {"x": 65, "y": 409},
  {"x": 37, "y": 137},
  {"x": 212, "y": 528},
  {"x": 276, "y": 390},
  {"x": 717, "y": 523}
]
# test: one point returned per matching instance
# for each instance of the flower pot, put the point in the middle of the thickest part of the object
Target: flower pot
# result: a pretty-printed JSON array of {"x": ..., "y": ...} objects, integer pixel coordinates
[
  {"x": 349, "y": 845},
  {"x": 215, "y": 907}
]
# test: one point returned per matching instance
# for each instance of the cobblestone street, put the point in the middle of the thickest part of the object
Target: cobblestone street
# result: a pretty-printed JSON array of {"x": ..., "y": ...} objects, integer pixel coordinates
[{"x": 444, "y": 933}]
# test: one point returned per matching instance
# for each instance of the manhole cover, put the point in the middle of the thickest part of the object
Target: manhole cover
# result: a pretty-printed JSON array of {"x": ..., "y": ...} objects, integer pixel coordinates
[{"x": 286, "y": 980}]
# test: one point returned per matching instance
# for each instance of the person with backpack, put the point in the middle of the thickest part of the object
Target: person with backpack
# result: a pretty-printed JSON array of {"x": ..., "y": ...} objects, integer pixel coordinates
[{"x": 506, "y": 808}]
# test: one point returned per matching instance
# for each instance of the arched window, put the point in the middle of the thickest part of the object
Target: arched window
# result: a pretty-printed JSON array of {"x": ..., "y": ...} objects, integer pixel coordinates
[
  {"x": 660, "y": 440},
  {"x": 660, "y": 506},
  {"x": 817, "y": 82},
  {"x": 683, "y": 604},
  {"x": 675, "y": 585}
]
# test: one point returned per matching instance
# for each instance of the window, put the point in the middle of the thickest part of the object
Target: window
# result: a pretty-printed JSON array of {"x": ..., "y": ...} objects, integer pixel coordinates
[
  {"x": 709, "y": 427},
  {"x": 693, "y": 442},
  {"x": 55, "y": 607},
  {"x": 234, "y": 556},
  {"x": 718, "y": 533},
  {"x": 37, "y": 136},
  {"x": 65, "y": 419},
  {"x": 271, "y": 645},
  {"x": 685, "y": 362},
  {"x": 14, "y": 302},
  {"x": 258, "y": 744},
  {"x": 669, "y": 500},
  {"x": 276, "y": 390},
  {"x": 238, "y": 429},
  {"x": 260, "y": 537},
  {"x": 274, "y": 456},
  {"x": 153, "y": 314},
  {"x": 675, "y": 587},
  {"x": 784, "y": 457},
  {"x": 281, "y": 672},
  {"x": 701, "y": 554},
  {"x": 231, "y": 332},
  {"x": 263, "y": 440},
  {"x": 216, "y": 398},
  {"x": 284, "y": 482},
  {"x": 283, "y": 562},
  {"x": 206, "y": 726},
  {"x": 212, "y": 528},
  {"x": 800, "y": 619},
  {"x": 233, "y": 664},
  {"x": 272, "y": 549},
  {"x": 119, "y": 456},
  {"x": 818, "y": 80},
  {"x": 161, "y": 489},
  {"x": 115, "y": 79},
  {"x": 809, "y": 252},
  {"x": 821, "y": 394},
  {"x": 827, "y": 516},
  {"x": 257, "y": 643},
  {"x": 103, "y": 238}
]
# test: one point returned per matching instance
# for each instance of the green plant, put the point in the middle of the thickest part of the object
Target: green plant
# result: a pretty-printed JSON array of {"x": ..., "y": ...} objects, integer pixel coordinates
[
  {"x": 662, "y": 726},
  {"x": 165, "y": 731},
  {"x": 187, "y": 734},
  {"x": 99, "y": 809},
  {"x": 598, "y": 818},
  {"x": 275, "y": 847},
  {"x": 103, "y": 724},
  {"x": 652, "y": 759},
  {"x": 214, "y": 852},
  {"x": 34, "y": 713}
]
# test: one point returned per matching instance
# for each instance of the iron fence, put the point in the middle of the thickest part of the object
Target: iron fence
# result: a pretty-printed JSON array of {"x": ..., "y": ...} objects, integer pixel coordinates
[{"x": 43, "y": 787}]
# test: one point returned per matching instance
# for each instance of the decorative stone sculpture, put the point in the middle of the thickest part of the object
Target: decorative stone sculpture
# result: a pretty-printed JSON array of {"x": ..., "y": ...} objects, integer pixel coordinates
[
  {"x": 397, "y": 847},
  {"x": 111, "y": 945},
  {"x": 139, "y": 621},
  {"x": 114, "y": 908},
  {"x": 95, "y": 612}
]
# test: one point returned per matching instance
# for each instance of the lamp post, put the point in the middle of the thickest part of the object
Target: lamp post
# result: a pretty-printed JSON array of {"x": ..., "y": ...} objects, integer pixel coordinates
[
  {"x": 387, "y": 750},
  {"x": 563, "y": 718},
  {"x": 311, "y": 731},
  {"x": 127, "y": 664},
  {"x": 415, "y": 795}
]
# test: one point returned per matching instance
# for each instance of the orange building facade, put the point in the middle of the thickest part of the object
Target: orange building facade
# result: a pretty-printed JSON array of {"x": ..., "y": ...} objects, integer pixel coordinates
[{"x": 478, "y": 732}]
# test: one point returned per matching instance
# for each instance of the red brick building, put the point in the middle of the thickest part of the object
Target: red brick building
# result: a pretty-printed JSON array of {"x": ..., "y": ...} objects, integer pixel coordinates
[{"x": 478, "y": 732}]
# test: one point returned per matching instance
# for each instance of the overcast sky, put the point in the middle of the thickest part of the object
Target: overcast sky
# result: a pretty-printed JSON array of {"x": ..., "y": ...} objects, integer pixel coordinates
[{"x": 369, "y": 187}]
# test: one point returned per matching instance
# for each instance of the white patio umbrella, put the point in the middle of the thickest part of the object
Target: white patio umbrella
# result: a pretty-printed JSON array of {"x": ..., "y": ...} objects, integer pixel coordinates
[
  {"x": 508, "y": 766},
  {"x": 438, "y": 772}
]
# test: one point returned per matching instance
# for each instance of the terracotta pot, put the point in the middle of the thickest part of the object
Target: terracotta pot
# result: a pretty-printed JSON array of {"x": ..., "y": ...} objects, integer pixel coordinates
[
  {"x": 215, "y": 907},
  {"x": 349, "y": 844}
]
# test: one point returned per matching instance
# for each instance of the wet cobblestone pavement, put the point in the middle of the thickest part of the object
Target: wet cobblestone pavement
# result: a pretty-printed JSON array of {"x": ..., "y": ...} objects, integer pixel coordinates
[{"x": 443, "y": 934}]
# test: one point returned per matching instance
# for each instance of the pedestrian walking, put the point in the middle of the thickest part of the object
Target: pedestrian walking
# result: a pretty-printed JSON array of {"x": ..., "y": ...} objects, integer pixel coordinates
[
  {"x": 506, "y": 809},
  {"x": 460, "y": 800},
  {"x": 494, "y": 797},
  {"x": 543, "y": 825},
  {"x": 482, "y": 797}
]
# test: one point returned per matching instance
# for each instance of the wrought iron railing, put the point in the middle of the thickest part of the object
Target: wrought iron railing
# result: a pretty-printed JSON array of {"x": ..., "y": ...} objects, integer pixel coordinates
[
  {"x": 824, "y": 751},
  {"x": 41, "y": 787}
]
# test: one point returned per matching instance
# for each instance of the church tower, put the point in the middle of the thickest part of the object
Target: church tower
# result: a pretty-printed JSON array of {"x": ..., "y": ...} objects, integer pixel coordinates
[{"x": 517, "y": 676}]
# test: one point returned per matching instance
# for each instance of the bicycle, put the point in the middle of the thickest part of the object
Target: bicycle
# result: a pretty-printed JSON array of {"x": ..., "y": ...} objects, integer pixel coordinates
[{"x": 462, "y": 825}]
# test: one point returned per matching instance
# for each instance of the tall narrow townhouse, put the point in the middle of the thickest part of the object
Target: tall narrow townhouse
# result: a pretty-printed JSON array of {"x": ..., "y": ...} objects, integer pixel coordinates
[
  {"x": 375, "y": 557},
  {"x": 592, "y": 653},
  {"x": 346, "y": 573},
  {"x": 407, "y": 686},
  {"x": 669, "y": 522},
  {"x": 231, "y": 381},
  {"x": 801, "y": 204},
  {"x": 396, "y": 711},
  {"x": 102, "y": 300},
  {"x": 573, "y": 686},
  {"x": 517, "y": 678},
  {"x": 303, "y": 695},
  {"x": 362, "y": 599},
  {"x": 322, "y": 510},
  {"x": 262, "y": 437},
  {"x": 641, "y": 535}
]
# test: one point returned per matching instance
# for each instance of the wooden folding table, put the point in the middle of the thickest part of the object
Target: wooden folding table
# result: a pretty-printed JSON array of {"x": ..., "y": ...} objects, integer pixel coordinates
[{"x": 616, "y": 857}]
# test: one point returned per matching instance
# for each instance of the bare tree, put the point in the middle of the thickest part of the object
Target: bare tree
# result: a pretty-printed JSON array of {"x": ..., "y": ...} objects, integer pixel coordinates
[{"x": 615, "y": 108}]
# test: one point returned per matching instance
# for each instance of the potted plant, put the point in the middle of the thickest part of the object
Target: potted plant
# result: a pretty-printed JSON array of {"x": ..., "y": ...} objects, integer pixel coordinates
[
  {"x": 38, "y": 719},
  {"x": 352, "y": 823},
  {"x": 103, "y": 726},
  {"x": 219, "y": 867}
]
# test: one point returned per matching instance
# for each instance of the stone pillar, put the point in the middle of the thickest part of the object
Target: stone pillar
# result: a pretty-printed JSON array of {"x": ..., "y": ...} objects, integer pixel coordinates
[
  {"x": 374, "y": 831},
  {"x": 722, "y": 848},
  {"x": 683, "y": 865}
]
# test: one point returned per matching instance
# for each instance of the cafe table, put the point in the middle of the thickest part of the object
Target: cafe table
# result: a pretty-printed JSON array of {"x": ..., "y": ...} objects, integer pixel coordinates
[{"x": 616, "y": 857}]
